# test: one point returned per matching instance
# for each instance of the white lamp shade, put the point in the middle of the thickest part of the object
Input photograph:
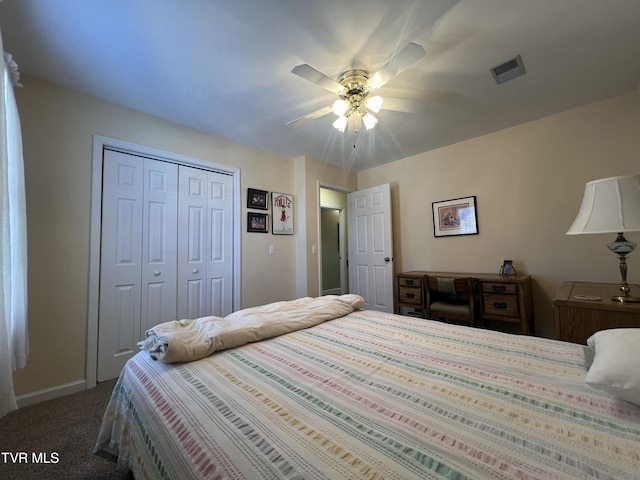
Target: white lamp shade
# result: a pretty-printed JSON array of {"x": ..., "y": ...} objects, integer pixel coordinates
[
  {"x": 374, "y": 103},
  {"x": 340, "y": 107},
  {"x": 340, "y": 123},
  {"x": 609, "y": 205},
  {"x": 369, "y": 121}
]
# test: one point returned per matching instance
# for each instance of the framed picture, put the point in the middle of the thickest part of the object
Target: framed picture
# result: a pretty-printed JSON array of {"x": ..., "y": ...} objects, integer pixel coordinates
[
  {"x": 258, "y": 199},
  {"x": 257, "y": 222},
  {"x": 455, "y": 217},
  {"x": 282, "y": 213},
  {"x": 507, "y": 268}
]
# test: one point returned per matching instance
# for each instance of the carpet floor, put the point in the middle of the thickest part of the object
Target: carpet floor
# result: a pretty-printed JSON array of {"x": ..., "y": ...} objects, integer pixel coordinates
[{"x": 55, "y": 439}]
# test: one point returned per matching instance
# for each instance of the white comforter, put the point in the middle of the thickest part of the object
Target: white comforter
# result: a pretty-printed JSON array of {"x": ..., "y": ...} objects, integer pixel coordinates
[{"x": 188, "y": 340}]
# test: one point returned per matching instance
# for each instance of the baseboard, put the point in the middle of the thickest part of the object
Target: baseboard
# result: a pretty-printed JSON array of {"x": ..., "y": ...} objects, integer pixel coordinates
[{"x": 50, "y": 393}]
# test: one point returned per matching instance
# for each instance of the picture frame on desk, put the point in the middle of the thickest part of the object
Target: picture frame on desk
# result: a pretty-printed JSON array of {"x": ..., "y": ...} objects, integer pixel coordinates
[
  {"x": 453, "y": 217},
  {"x": 507, "y": 268}
]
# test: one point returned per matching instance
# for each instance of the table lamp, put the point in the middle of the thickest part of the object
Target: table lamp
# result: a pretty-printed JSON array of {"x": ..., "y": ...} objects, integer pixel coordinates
[{"x": 612, "y": 205}]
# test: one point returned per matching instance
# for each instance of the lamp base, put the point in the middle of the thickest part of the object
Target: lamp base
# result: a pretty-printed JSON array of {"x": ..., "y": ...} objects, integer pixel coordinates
[
  {"x": 625, "y": 295},
  {"x": 625, "y": 299},
  {"x": 621, "y": 247}
]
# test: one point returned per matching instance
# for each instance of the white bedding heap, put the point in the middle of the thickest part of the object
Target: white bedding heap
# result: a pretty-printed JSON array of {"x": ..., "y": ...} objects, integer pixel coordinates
[{"x": 188, "y": 340}]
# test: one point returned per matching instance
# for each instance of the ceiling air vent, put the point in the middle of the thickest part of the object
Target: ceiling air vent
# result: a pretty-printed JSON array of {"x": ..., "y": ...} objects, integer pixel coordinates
[{"x": 508, "y": 70}]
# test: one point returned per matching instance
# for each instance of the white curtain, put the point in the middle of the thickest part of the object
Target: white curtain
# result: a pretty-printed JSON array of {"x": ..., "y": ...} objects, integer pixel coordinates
[{"x": 13, "y": 240}]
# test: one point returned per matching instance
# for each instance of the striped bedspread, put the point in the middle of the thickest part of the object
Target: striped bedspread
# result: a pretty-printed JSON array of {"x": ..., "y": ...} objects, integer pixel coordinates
[{"x": 371, "y": 396}]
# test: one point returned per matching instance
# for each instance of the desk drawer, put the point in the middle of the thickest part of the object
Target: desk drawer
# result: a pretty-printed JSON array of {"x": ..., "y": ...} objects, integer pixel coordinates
[
  {"x": 410, "y": 282},
  {"x": 500, "y": 288},
  {"x": 501, "y": 305},
  {"x": 410, "y": 295}
]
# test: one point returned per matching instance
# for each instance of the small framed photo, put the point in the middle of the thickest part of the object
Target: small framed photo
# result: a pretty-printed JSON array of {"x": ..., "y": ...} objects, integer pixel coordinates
[
  {"x": 455, "y": 217},
  {"x": 507, "y": 268},
  {"x": 257, "y": 222},
  {"x": 282, "y": 213},
  {"x": 258, "y": 199}
]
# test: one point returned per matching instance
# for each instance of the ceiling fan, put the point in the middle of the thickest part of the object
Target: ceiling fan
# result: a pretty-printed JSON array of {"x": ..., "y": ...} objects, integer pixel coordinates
[{"x": 355, "y": 89}]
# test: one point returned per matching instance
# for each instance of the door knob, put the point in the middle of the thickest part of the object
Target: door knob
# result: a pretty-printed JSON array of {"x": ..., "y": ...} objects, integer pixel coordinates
[
  {"x": 156, "y": 273},
  {"x": 194, "y": 271},
  {"x": 387, "y": 259}
]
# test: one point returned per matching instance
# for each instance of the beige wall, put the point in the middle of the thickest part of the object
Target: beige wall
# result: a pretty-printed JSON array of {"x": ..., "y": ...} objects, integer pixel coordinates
[
  {"x": 317, "y": 174},
  {"x": 528, "y": 181},
  {"x": 58, "y": 127}
]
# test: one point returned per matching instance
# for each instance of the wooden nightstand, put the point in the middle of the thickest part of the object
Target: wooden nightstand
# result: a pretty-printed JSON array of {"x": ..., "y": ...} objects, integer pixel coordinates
[{"x": 577, "y": 318}]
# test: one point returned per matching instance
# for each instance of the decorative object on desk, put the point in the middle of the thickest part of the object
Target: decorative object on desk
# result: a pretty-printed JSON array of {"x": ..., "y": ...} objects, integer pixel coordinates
[
  {"x": 258, "y": 199},
  {"x": 612, "y": 205},
  {"x": 257, "y": 222},
  {"x": 282, "y": 211},
  {"x": 455, "y": 217},
  {"x": 588, "y": 298},
  {"x": 507, "y": 268}
]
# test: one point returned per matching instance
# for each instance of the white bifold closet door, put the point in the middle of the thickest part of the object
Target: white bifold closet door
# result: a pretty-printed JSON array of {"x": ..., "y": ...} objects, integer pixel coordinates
[
  {"x": 166, "y": 250},
  {"x": 205, "y": 247}
]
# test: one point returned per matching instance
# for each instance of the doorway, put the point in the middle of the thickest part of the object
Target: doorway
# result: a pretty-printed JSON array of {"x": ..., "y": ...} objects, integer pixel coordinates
[
  {"x": 331, "y": 251},
  {"x": 333, "y": 244}
]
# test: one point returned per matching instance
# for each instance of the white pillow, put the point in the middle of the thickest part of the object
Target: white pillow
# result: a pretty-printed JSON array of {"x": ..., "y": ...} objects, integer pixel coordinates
[{"x": 616, "y": 366}]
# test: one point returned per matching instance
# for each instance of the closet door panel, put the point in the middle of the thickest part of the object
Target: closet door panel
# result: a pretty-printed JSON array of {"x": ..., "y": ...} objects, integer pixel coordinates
[
  {"x": 205, "y": 243},
  {"x": 220, "y": 253},
  {"x": 121, "y": 258},
  {"x": 192, "y": 242},
  {"x": 160, "y": 243}
]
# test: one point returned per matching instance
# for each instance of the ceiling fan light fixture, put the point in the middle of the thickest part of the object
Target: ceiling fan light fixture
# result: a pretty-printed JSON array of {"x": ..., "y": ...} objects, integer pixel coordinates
[
  {"x": 375, "y": 81},
  {"x": 340, "y": 107},
  {"x": 374, "y": 103},
  {"x": 369, "y": 121},
  {"x": 340, "y": 123},
  {"x": 354, "y": 87}
]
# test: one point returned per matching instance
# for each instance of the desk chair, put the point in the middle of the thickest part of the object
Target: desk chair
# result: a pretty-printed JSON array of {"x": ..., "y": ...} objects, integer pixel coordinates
[{"x": 450, "y": 298}]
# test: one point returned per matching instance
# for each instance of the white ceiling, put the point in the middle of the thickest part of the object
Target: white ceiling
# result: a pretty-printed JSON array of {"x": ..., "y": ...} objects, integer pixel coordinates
[{"x": 224, "y": 66}]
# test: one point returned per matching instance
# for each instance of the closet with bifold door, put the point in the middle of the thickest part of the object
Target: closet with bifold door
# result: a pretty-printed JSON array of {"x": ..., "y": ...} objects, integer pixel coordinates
[{"x": 166, "y": 250}]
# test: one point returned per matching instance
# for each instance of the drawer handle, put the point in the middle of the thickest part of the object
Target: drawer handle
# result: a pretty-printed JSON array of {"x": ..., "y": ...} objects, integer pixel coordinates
[
  {"x": 501, "y": 305},
  {"x": 499, "y": 288},
  {"x": 411, "y": 295},
  {"x": 409, "y": 282}
]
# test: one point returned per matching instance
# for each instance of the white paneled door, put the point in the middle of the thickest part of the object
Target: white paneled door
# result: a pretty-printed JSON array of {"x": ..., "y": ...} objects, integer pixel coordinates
[
  {"x": 121, "y": 262},
  {"x": 205, "y": 243},
  {"x": 371, "y": 247},
  {"x": 166, "y": 250},
  {"x": 159, "y": 243}
]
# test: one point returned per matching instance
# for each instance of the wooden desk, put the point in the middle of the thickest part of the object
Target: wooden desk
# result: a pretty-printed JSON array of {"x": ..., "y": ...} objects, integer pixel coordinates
[
  {"x": 502, "y": 298},
  {"x": 577, "y": 319}
]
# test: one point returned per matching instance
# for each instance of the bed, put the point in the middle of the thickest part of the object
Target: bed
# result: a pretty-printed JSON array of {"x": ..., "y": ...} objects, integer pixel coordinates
[{"x": 372, "y": 395}]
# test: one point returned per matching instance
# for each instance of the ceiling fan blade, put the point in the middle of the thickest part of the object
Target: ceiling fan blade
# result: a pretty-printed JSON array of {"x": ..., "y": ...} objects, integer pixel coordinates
[
  {"x": 311, "y": 116},
  {"x": 396, "y": 64},
  {"x": 402, "y": 105},
  {"x": 311, "y": 74}
]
